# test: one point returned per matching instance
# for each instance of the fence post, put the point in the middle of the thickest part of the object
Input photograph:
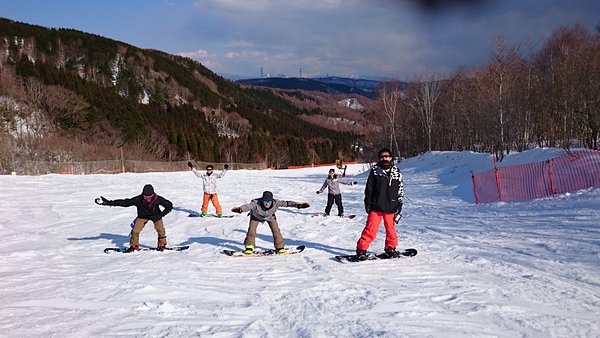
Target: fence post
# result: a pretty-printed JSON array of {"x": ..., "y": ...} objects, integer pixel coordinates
[
  {"x": 497, "y": 180},
  {"x": 474, "y": 187},
  {"x": 551, "y": 178}
]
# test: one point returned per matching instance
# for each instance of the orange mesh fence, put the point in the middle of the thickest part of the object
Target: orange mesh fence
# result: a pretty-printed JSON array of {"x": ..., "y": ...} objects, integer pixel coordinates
[{"x": 559, "y": 175}]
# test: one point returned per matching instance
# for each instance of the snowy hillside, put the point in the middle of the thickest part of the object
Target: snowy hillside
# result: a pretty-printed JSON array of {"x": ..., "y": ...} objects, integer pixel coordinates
[{"x": 516, "y": 269}]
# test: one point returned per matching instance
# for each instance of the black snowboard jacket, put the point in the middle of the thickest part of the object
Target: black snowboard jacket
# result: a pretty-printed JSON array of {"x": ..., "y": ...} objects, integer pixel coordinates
[
  {"x": 145, "y": 210},
  {"x": 384, "y": 191}
]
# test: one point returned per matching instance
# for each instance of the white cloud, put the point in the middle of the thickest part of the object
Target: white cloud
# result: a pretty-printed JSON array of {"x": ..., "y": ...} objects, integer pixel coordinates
[{"x": 199, "y": 54}]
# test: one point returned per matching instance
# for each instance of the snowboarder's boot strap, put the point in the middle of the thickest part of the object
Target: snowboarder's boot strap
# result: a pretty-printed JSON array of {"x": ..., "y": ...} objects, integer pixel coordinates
[
  {"x": 203, "y": 214},
  {"x": 391, "y": 252},
  {"x": 249, "y": 251},
  {"x": 161, "y": 247},
  {"x": 132, "y": 248},
  {"x": 361, "y": 255},
  {"x": 282, "y": 251}
]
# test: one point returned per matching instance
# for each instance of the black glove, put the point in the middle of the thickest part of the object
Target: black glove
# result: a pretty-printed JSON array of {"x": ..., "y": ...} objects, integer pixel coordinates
[
  {"x": 226, "y": 166},
  {"x": 367, "y": 208},
  {"x": 101, "y": 201},
  {"x": 318, "y": 192},
  {"x": 354, "y": 183},
  {"x": 237, "y": 209},
  {"x": 190, "y": 165},
  {"x": 302, "y": 205},
  {"x": 397, "y": 217}
]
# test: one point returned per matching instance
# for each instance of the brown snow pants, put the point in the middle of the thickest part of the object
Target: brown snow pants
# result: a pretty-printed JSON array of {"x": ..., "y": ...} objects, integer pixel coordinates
[
  {"x": 251, "y": 235},
  {"x": 139, "y": 225}
]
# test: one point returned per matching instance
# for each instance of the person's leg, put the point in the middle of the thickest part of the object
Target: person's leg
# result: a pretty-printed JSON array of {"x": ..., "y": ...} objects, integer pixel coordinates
[
  {"x": 250, "y": 239},
  {"x": 160, "y": 230},
  {"x": 134, "y": 240},
  {"x": 205, "y": 200},
  {"x": 370, "y": 231},
  {"x": 215, "y": 202},
  {"x": 391, "y": 237},
  {"x": 277, "y": 237},
  {"x": 338, "y": 202},
  {"x": 329, "y": 204}
]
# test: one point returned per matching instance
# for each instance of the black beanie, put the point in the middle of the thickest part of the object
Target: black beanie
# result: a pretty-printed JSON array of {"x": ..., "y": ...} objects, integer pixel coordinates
[
  {"x": 148, "y": 190},
  {"x": 267, "y": 196}
]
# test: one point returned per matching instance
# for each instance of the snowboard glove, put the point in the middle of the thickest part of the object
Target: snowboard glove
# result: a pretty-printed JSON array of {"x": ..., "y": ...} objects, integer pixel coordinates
[
  {"x": 397, "y": 217},
  {"x": 318, "y": 192},
  {"x": 237, "y": 209},
  {"x": 226, "y": 166},
  {"x": 302, "y": 205},
  {"x": 190, "y": 165},
  {"x": 354, "y": 183},
  {"x": 101, "y": 201},
  {"x": 367, "y": 208}
]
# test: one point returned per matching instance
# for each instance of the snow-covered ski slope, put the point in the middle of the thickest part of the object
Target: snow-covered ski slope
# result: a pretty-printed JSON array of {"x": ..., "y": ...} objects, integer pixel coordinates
[{"x": 516, "y": 269}]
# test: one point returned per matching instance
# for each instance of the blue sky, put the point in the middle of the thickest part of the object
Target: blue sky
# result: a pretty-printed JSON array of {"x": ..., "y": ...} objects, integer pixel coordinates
[{"x": 386, "y": 38}]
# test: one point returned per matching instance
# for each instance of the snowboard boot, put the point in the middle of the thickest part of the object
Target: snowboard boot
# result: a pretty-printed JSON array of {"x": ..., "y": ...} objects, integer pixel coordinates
[
  {"x": 161, "y": 247},
  {"x": 132, "y": 248},
  {"x": 219, "y": 215},
  {"x": 361, "y": 255},
  {"x": 203, "y": 214},
  {"x": 391, "y": 252},
  {"x": 281, "y": 251},
  {"x": 249, "y": 251},
  {"x": 341, "y": 214}
]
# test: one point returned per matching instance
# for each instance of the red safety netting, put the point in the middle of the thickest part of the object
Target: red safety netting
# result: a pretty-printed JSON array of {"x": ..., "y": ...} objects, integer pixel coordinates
[{"x": 559, "y": 175}]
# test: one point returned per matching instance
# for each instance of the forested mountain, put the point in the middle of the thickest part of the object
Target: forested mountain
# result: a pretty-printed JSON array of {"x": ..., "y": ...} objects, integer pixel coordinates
[{"x": 66, "y": 95}]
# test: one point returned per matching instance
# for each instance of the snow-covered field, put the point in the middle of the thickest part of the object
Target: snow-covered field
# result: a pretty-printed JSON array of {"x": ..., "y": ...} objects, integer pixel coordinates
[{"x": 517, "y": 269}]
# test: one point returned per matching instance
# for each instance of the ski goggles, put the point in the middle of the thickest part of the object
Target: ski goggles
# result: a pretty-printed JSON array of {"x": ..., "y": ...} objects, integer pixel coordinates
[{"x": 267, "y": 202}]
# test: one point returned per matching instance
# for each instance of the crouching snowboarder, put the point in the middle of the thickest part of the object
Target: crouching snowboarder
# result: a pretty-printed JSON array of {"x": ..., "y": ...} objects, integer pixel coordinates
[
  {"x": 263, "y": 210},
  {"x": 147, "y": 205}
]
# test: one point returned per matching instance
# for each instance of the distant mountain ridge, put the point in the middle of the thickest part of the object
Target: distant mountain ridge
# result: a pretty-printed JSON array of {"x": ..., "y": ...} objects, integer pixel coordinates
[{"x": 331, "y": 85}]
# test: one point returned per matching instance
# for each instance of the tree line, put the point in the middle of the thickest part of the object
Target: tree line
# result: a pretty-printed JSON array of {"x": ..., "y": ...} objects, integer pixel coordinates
[{"x": 526, "y": 95}]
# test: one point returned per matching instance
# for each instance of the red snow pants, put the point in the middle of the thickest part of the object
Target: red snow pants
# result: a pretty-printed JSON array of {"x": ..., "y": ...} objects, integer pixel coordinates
[{"x": 370, "y": 231}]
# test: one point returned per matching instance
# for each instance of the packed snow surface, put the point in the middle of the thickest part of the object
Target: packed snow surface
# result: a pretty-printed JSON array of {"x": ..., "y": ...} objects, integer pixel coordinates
[{"x": 515, "y": 269}]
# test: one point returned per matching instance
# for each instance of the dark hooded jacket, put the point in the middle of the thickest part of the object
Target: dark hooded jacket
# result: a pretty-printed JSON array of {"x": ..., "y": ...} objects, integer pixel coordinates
[
  {"x": 384, "y": 191},
  {"x": 146, "y": 210}
]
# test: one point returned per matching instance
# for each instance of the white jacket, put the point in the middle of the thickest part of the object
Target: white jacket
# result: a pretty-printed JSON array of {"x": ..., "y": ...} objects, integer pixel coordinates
[{"x": 209, "y": 181}]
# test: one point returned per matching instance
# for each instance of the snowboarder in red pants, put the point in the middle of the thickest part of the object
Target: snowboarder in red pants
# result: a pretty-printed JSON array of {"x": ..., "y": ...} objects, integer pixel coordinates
[{"x": 384, "y": 193}]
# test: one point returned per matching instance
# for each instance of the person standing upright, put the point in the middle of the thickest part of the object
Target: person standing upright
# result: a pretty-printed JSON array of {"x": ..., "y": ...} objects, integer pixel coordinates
[
  {"x": 209, "y": 181},
  {"x": 384, "y": 194},
  {"x": 334, "y": 193}
]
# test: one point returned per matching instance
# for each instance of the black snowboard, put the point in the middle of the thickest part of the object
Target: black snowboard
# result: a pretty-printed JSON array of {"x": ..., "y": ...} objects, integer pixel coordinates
[
  {"x": 172, "y": 248},
  {"x": 371, "y": 256}
]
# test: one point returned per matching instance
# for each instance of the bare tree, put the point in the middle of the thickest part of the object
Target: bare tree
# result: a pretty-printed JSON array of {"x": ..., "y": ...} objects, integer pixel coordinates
[
  {"x": 390, "y": 96},
  {"x": 426, "y": 91}
]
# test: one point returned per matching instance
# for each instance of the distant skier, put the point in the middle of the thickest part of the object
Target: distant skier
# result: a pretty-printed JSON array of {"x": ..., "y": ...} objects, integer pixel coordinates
[
  {"x": 384, "y": 193},
  {"x": 335, "y": 195},
  {"x": 148, "y": 209},
  {"x": 209, "y": 181},
  {"x": 263, "y": 210}
]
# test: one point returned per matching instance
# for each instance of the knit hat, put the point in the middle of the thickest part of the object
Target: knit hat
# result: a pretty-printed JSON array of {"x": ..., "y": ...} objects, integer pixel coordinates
[
  {"x": 267, "y": 196},
  {"x": 331, "y": 170},
  {"x": 148, "y": 190}
]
